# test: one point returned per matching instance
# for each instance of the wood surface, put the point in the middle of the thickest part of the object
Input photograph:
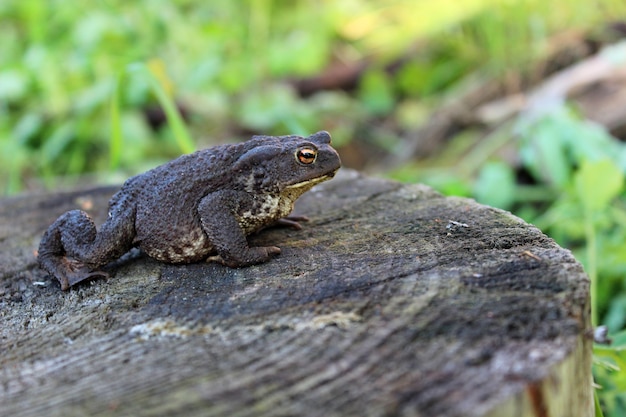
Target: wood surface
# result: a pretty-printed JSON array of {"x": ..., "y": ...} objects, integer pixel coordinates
[{"x": 392, "y": 300}]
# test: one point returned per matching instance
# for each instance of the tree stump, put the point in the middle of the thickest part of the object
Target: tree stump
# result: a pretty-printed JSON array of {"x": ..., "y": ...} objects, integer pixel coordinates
[{"x": 393, "y": 300}]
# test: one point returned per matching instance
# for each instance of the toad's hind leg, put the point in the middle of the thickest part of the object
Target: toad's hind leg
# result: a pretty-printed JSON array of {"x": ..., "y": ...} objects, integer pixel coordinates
[{"x": 72, "y": 249}]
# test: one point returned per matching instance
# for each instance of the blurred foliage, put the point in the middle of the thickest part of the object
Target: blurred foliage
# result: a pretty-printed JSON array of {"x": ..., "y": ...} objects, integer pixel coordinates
[
  {"x": 68, "y": 88},
  {"x": 609, "y": 363},
  {"x": 114, "y": 87}
]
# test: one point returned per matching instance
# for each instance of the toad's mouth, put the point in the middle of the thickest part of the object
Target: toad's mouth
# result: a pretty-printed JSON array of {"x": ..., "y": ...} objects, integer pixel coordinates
[{"x": 313, "y": 181}]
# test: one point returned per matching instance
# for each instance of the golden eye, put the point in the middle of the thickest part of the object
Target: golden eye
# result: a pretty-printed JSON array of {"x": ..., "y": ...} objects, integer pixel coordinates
[{"x": 306, "y": 155}]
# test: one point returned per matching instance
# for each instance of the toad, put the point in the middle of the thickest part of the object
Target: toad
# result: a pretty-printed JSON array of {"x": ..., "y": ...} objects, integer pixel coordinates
[{"x": 200, "y": 206}]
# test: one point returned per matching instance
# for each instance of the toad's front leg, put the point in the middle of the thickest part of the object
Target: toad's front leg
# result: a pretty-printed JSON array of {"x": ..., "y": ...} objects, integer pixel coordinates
[
  {"x": 72, "y": 249},
  {"x": 219, "y": 220}
]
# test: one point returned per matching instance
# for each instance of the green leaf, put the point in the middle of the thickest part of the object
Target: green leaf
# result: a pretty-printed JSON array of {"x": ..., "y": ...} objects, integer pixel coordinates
[
  {"x": 619, "y": 340},
  {"x": 597, "y": 183},
  {"x": 155, "y": 72},
  {"x": 266, "y": 108},
  {"x": 543, "y": 151},
  {"x": 13, "y": 85},
  {"x": 376, "y": 92},
  {"x": 116, "y": 138},
  {"x": 57, "y": 142},
  {"x": 596, "y": 404},
  {"x": 496, "y": 185},
  {"x": 27, "y": 127},
  {"x": 616, "y": 316}
]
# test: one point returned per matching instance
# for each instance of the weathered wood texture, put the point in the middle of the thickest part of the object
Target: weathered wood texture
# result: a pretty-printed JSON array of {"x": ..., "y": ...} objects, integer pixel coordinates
[{"x": 393, "y": 300}]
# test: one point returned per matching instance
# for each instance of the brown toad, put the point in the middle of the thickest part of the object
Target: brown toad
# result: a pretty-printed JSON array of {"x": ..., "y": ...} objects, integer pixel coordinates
[{"x": 196, "y": 206}]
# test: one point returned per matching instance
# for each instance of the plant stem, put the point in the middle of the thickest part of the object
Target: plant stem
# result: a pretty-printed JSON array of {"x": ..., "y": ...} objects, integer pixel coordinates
[{"x": 592, "y": 265}]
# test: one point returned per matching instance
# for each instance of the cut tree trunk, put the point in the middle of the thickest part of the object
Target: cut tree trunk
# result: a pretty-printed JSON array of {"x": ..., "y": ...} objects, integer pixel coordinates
[{"x": 393, "y": 300}]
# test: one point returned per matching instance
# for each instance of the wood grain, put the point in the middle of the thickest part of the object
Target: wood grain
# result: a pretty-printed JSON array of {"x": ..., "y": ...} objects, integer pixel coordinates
[{"x": 392, "y": 300}]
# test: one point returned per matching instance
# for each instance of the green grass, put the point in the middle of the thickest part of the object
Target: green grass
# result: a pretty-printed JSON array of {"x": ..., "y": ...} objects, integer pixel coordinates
[
  {"x": 63, "y": 64},
  {"x": 77, "y": 79}
]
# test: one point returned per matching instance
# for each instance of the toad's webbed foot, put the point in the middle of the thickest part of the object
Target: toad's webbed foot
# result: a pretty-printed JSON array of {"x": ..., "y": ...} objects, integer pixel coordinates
[
  {"x": 70, "y": 272},
  {"x": 72, "y": 249},
  {"x": 291, "y": 221}
]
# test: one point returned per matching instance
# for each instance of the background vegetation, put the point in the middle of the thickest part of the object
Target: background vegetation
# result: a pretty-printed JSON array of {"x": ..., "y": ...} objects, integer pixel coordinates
[{"x": 107, "y": 89}]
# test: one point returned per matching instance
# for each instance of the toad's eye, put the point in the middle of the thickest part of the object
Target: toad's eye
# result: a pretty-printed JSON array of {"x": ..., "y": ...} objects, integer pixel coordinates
[{"x": 306, "y": 155}]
